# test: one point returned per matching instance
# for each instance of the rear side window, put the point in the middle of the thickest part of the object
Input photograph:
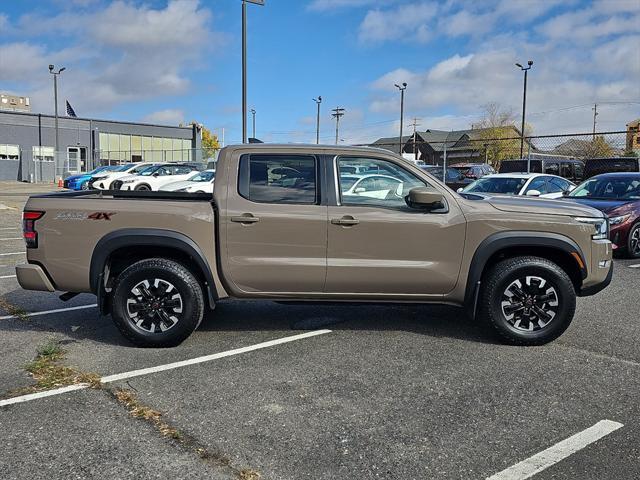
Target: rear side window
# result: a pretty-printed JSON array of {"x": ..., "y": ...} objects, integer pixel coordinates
[
  {"x": 278, "y": 179},
  {"x": 552, "y": 168}
]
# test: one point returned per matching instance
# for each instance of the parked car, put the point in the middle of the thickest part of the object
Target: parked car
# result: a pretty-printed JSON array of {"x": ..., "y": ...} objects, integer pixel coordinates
[
  {"x": 455, "y": 179},
  {"x": 597, "y": 166},
  {"x": 201, "y": 182},
  {"x": 571, "y": 169},
  {"x": 81, "y": 181},
  {"x": 529, "y": 184},
  {"x": 473, "y": 171},
  {"x": 371, "y": 186},
  {"x": 617, "y": 195},
  {"x": 104, "y": 181},
  {"x": 152, "y": 178},
  {"x": 163, "y": 258}
]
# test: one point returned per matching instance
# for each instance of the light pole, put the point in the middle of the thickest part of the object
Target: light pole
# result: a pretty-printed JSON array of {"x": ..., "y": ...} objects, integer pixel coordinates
[
  {"x": 55, "y": 74},
  {"x": 244, "y": 65},
  {"x": 402, "y": 89},
  {"x": 524, "y": 102},
  {"x": 253, "y": 114},
  {"x": 337, "y": 113},
  {"x": 318, "y": 102}
]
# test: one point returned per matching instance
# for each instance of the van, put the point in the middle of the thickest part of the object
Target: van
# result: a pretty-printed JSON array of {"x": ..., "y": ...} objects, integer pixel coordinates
[{"x": 568, "y": 168}]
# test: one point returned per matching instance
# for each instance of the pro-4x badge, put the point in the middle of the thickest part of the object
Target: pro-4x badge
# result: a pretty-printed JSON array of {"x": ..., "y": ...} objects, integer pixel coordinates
[{"x": 101, "y": 215}]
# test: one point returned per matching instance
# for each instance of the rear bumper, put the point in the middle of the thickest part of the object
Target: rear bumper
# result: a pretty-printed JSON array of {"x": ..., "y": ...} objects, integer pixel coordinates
[{"x": 32, "y": 277}]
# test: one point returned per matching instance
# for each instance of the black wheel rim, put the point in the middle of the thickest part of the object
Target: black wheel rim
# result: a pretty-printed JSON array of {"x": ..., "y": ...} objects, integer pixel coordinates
[
  {"x": 529, "y": 303},
  {"x": 634, "y": 241},
  {"x": 154, "y": 305}
]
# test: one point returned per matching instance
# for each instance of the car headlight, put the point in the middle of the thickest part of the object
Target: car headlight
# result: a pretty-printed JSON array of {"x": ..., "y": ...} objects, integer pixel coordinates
[
  {"x": 619, "y": 219},
  {"x": 601, "y": 226}
]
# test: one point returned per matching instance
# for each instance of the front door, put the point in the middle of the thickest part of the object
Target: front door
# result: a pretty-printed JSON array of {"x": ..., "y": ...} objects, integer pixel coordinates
[
  {"x": 276, "y": 226},
  {"x": 378, "y": 245}
]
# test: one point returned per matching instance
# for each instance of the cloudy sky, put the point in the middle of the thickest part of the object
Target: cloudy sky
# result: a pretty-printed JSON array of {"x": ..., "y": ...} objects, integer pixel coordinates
[{"x": 170, "y": 61}]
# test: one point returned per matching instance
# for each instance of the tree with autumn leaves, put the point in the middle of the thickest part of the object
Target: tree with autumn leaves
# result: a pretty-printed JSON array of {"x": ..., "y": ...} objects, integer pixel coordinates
[{"x": 210, "y": 143}]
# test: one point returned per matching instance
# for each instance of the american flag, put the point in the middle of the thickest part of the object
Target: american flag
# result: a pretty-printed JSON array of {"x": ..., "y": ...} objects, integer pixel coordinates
[{"x": 70, "y": 111}]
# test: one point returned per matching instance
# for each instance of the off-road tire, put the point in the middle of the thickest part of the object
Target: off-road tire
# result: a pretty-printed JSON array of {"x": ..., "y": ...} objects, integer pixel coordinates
[
  {"x": 631, "y": 242},
  {"x": 169, "y": 272},
  {"x": 502, "y": 278}
]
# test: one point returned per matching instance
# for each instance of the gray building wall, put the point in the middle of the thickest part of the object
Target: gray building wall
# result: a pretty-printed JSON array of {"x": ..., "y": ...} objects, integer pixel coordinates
[{"x": 28, "y": 130}]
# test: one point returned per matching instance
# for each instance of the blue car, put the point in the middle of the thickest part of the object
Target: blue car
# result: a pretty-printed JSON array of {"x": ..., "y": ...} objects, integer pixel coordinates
[{"x": 81, "y": 181}]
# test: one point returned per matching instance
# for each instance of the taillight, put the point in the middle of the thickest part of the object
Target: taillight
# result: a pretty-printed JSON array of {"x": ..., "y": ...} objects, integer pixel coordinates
[{"x": 28, "y": 227}]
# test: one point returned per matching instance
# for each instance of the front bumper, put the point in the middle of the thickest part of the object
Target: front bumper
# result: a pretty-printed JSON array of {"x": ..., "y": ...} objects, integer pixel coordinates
[
  {"x": 593, "y": 289},
  {"x": 32, "y": 277}
]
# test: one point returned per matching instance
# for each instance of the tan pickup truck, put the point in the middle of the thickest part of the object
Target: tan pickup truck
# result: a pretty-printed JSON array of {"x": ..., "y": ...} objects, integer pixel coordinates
[{"x": 317, "y": 223}]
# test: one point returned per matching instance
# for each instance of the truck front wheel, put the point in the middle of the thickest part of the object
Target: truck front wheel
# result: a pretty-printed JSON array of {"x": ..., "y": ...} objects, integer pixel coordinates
[
  {"x": 157, "y": 303},
  {"x": 527, "y": 300}
]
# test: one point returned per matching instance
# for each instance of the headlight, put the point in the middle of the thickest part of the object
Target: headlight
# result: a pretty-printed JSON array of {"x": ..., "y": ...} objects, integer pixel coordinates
[
  {"x": 601, "y": 226},
  {"x": 619, "y": 219}
]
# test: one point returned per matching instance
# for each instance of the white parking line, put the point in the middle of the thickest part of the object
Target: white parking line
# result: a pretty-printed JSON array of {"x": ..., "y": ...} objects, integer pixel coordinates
[
  {"x": 47, "y": 312},
  {"x": 637, "y": 265},
  {"x": 9, "y": 228},
  {"x": 12, "y": 253},
  {"x": 7, "y": 276},
  {"x": 12, "y": 238},
  {"x": 561, "y": 450},
  {"x": 163, "y": 368}
]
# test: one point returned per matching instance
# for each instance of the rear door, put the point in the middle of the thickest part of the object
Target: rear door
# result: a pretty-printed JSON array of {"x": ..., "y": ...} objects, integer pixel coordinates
[
  {"x": 378, "y": 245},
  {"x": 276, "y": 225}
]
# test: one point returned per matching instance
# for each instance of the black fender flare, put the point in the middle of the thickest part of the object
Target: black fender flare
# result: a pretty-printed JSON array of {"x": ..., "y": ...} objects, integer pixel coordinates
[
  {"x": 502, "y": 240},
  {"x": 129, "y": 237}
]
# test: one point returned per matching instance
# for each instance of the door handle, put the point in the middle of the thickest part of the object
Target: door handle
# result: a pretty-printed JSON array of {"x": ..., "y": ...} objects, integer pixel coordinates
[
  {"x": 245, "y": 218},
  {"x": 345, "y": 221}
]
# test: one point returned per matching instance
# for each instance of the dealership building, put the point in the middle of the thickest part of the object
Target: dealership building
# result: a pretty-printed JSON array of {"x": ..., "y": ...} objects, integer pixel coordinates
[{"x": 27, "y": 144}]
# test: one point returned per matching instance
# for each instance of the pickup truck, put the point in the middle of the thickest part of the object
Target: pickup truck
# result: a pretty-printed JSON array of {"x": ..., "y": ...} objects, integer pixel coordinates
[{"x": 281, "y": 226}]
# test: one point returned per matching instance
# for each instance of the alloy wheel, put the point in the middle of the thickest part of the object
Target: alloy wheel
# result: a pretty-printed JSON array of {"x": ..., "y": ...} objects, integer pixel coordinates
[
  {"x": 154, "y": 305},
  {"x": 529, "y": 303},
  {"x": 634, "y": 241}
]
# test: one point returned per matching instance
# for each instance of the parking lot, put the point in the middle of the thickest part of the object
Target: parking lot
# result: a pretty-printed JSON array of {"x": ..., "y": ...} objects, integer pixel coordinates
[{"x": 272, "y": 391}]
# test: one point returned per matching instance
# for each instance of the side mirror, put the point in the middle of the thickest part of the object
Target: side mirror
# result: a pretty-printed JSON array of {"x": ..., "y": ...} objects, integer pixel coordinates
[
  {"x": 533, "y": 193},
  {"x": 460, "y": 190},
  {"x": 156, "y": 174},
  {"x": 423, "y": 198}
]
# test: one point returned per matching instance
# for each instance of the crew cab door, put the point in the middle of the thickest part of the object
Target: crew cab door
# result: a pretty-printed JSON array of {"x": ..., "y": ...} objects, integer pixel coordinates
[
  {"x": 276, "y": 227},
  {"x": 381, "y": 246}
]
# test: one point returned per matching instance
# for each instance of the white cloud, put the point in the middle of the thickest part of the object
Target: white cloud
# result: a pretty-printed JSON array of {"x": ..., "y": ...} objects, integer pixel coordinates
[
  {"x": 325, "y": 5},
  {"x": 169, "y": 116},
  {"x": 406, "y": 22}
]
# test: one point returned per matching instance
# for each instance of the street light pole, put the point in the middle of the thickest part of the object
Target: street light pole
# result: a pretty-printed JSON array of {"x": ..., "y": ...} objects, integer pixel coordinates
[
  {"x": 244, "y": 65},
  {"x": 402, "y": 89},
  {"x": 253, "y": 113},
  {"x": 55, "y": 100},
  {"x": 318, "y": 102},
  {"x": 337, "y": 113},
  {"x": 524, "y": 103}
]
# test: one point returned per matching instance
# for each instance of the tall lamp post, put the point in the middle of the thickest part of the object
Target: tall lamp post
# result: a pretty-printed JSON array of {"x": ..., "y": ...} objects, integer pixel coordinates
[
  {"x": 402, "y": 89},
  {"x": 55, "y": 74},
  {"x": 253, "y": 114},
  {"x": 524, "y": 103},
  {"x": 244, "y": 65},
  {"x": 318, "y": 102}
]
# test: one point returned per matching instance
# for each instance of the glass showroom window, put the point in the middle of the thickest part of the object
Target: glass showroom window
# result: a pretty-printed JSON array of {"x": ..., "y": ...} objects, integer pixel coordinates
[
  {"x": 9, "y": 152},
  {"x": 43, "y": 154}
]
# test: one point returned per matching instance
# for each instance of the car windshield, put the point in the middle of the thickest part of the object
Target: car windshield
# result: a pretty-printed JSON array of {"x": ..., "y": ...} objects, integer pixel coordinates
[
  {"x": 98, "y": 170},
  {"x": 205, "y": 176},
  {"x": 148, "y": 171},
  {"x": 506, "y": 185},
  {"x": 143, "y": 168},
  {"x": 462, "y": 170},
  {"x": 609, "y": 188},
  {"x": 122, "y": 168}
]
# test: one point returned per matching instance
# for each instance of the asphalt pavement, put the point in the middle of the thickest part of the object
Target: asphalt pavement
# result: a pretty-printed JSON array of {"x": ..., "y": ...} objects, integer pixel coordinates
[{"x": 393, "y": 392}]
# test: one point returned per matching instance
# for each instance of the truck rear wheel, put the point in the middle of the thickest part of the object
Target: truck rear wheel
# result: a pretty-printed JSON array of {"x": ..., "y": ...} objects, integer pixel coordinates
[
  {"x": 157, "y": 303},
  {"x": 527, "y": 300}
]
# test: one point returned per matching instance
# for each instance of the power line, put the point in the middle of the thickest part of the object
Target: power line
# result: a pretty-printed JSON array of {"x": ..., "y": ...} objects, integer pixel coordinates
[{"x": 337, "y": 113}]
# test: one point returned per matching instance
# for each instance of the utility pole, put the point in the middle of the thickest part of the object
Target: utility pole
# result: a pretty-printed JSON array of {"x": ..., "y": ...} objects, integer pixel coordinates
[
  {"x": 595, "y": 114},
  {"x": 415, "y": 136},
  {"x": 337, "y": 113},
  {"x": 402, "y": 89},
  {"x": 524, "y": 102},
  {"x": 253, "y": 114},
  {"x": 55, "y": 100},
  {"x": 244, "y": 65},
  {"x": 318, "y": 102}
]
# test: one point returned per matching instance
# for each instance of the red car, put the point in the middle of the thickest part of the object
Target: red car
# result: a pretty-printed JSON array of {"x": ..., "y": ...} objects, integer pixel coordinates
[{"x": 617, "y": 195}]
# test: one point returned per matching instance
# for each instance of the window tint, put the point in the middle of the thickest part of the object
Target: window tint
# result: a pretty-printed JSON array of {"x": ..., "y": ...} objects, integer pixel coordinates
[
  {"x": 551, "y": 168},
  {"x": 558, "y": 185},
  {"x": 384, "y": 184},
  {"x": 539, "y": 184},
  {"x": 278, "y": 178}
]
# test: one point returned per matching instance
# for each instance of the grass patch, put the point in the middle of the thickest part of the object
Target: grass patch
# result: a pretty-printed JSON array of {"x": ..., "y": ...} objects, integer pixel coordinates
[
  {"x": 48, "y": 373},
  {"x": 13, "y": 310},
  {"x": 138, "y": 410}
]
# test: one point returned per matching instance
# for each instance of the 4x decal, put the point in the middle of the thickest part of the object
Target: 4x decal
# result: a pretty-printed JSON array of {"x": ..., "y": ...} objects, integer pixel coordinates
[
  {"x": 101, "y": 215},
  {"x": 84, "y": 216}
]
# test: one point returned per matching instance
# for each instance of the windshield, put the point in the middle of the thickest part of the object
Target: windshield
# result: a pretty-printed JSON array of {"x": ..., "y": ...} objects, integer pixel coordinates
[
  {"x": 142, "y": 168},
  {"x": 99, "y": 169},
  {"x": 202, "y": 177},
  {"x": 609, "y": 188},
  {"x": 148, "y": 170},
  {"x": 347, "y": 182},
  {"x": 506, "y": 185},
  {"x": 122, "y": 168}
]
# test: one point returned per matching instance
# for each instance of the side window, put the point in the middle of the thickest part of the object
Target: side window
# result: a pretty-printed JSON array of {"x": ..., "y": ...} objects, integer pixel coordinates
[
  {"x": 162, "y": 171},
  {"x": 579, "y": 171},
  {"x": 539, "y": 184},
  {"x": 278, "y": 178},
  {"x": 551, "y": 168},
  {"x": 558, "y": 185},
  {"x": 566, "y": 170},
  {"x": 385, "y": 184},
  {"x": 183, "y": 170}
]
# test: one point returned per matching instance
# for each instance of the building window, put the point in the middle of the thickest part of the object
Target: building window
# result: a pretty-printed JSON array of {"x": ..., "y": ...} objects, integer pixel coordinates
[
  {"x": 43, "y": 154},
  {"x": 9, "y": 152}
]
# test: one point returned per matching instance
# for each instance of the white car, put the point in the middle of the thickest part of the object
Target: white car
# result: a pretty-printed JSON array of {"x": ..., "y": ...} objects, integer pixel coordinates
[
  {"x": 103, "y": 180},
  {"x": 152, "y": 178},
  {"x": 201, "y": 182},
  {"x": 529, "y": 184},
  {"x": 371, "y": 186}
]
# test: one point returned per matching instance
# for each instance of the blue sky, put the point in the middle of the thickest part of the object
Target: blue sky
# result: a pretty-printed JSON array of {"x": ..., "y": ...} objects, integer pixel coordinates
[{"x": 179, "y": 60}]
